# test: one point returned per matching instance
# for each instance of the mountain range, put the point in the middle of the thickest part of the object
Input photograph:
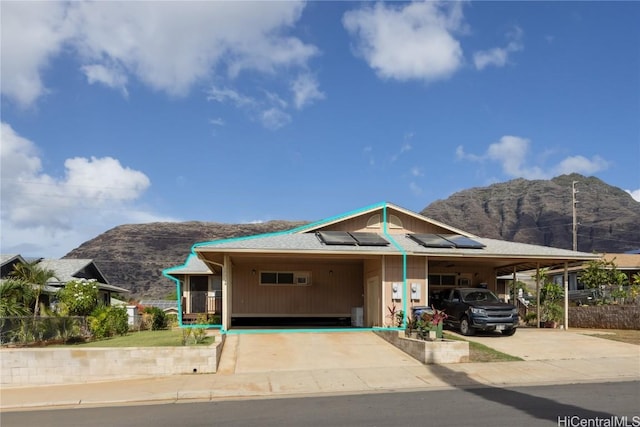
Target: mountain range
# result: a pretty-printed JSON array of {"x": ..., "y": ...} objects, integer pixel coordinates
[{"x": 539, "y": 212}]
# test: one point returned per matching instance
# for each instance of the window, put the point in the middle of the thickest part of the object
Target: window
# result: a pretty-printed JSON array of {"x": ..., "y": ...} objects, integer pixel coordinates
[
  {"x": 374, "y": 221},
  {"x": 292, "y": 278},
  {"x": 395, "y": 222},
  {"x": 442, "y": 280}
]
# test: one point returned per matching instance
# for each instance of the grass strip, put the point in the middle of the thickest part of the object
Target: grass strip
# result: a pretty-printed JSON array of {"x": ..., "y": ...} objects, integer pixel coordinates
[
  {"x": 166, "y": 338},
  {"x": 481, "y": 353}
]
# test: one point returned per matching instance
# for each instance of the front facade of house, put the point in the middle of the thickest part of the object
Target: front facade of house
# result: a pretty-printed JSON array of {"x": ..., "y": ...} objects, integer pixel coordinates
[{"x": 351, "y": 268}]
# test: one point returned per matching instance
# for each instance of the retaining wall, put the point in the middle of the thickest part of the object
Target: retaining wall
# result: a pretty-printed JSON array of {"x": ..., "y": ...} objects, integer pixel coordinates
[
  {"x": 41, "y": 366},
  {"x": 605, "y": 317},
  {"x": 429, "y": 352}
]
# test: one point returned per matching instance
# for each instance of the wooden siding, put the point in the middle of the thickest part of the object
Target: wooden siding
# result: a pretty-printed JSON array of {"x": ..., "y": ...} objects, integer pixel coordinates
[
  {"x": 335, "y": 288},
  {"x": 410, "y": 224}
]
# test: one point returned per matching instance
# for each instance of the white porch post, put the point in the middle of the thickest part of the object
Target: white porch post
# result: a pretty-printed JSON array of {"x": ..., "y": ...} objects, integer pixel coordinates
[
  {"x": 566, "y": 295},
  {"x": 538, "y": 295},
  {"x": 515, "y": 293},
  {"x": 226, "y": 293},
  {"x": 426, "y": 282}
]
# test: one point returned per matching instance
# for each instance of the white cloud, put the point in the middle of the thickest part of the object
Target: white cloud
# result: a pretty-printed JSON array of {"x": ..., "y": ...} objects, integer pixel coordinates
[
  {"x": 270, "y": 110},
  {"x": 416, "y": 171},
  {"x": 168, "y": 46},
  {"x": 274, "y": 118},
  {"x": 32, "y": 34},
  {"x": 499, "y": 56},
  {"x": 225, "y": 94},
  {"x": 305, "y": 91},
  {"x": 43, "y": 212},
  {"x": 411, "y": 42},
  {"x": 582, "y": 165},
  {"x": 635, "y": 194},
  {"x": 109, "y": 77},
  {"x": 513, "y": 154},
  {"x": 405, "y": 147}
]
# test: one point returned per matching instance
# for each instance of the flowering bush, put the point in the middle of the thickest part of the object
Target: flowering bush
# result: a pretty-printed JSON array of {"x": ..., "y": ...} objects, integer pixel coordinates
[
  {"x": 106, "y": 322},
  {"x": 79, "y": 297}
]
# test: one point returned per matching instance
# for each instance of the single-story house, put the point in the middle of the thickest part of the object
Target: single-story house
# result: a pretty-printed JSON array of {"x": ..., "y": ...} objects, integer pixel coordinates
[
  {"x": 627, "y": 263},
  {"x": 168, "y": 306},
  {"x": 355, "y": 267},
  {"x": 65, "y": 270}
]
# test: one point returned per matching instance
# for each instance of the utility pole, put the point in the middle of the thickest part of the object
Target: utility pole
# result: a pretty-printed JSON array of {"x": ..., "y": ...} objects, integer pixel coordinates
[{"x": 575, "y": 223}]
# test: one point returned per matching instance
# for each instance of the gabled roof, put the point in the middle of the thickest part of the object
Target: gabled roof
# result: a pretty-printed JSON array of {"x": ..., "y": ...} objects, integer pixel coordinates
[
  {"x": 8, "y": 258},
  {"x": 383, "y": 207},
  {"x": 69, "y": 269},
  {"x": 303, "y": 241},
  {"x": 193, "y": 265}
]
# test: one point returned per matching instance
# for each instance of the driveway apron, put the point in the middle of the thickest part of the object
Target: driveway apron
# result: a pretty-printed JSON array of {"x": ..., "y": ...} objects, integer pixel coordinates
[{"x": 290, "y": 351}]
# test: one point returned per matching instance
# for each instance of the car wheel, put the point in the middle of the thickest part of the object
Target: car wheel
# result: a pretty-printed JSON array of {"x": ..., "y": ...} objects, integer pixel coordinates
[
  {"x": 509, "y": 332},
  {"x": 465, "y": 328}
]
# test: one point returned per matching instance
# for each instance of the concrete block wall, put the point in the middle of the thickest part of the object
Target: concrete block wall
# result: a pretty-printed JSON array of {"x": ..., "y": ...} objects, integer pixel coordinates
[
  {"x": 42, "y": 366},
  {"x": 429, "y": 352}
]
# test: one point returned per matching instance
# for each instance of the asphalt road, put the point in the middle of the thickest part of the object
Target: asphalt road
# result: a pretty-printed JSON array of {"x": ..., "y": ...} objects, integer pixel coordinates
[{"x": 599, "y": 404}]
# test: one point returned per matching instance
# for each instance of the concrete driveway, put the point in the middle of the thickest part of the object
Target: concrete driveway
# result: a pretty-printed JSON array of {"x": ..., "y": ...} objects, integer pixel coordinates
[
  {"x": 556, "y": 344},
  {"x": 268, "y": 352}
]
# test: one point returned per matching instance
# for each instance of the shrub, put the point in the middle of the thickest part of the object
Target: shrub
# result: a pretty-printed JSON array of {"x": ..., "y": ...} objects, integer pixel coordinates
[
  {"x": 106, "y": 322},
  {"x": 79, "y": 297},
  {"x": 159, "y": 320}
]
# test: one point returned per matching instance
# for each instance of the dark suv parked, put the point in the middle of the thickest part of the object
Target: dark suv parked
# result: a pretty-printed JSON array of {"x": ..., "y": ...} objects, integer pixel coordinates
[{"x": 471, "y": 309}]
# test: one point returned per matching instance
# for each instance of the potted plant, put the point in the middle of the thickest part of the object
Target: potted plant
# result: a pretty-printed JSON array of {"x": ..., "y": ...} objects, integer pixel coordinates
[{"x": 552, "y": 314}]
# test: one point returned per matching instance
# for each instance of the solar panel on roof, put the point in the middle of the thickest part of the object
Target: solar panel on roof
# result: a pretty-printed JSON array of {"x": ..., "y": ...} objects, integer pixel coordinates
[
  {"x": 336, "y": 238},
  {"x": 462, "y": 242},
  {"x": 369, "y": 239},
  {"x": 431, "y": 240}
]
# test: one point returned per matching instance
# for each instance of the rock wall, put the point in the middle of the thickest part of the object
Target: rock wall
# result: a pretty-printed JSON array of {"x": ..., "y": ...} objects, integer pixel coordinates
[{"x": 605, "y": 317}]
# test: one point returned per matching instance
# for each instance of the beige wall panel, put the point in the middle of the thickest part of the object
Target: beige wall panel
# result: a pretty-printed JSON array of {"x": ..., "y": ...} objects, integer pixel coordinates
[
  {"x": 373, "y": 298},
  {"x": 334, "y": 290},
  {"x": 410, "y": 224},
  {"x": 353, "y": 224}
]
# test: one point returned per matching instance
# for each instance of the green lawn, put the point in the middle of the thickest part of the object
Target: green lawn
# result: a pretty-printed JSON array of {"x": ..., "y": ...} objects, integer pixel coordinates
[
  {"x": 168, "y": 338},
  {"x": 481, "y": 353}
]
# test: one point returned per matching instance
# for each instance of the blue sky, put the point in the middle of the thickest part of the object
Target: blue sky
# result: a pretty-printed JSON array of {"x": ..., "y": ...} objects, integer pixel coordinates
[{"x": 238, "y": 112}]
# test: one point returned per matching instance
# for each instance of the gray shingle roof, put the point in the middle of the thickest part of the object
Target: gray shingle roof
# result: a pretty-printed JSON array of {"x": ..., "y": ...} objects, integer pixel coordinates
[
  {"x": 286, "y": 242},
  {"x": 193, "y": 265}
]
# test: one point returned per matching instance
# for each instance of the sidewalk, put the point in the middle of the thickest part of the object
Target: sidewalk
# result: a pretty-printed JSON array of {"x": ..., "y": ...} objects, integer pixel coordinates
[{"x": 622, "y": 363}]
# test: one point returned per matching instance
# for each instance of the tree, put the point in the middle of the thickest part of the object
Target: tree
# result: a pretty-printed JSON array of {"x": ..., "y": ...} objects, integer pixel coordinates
[
  {"x": 34, "y": 275},
  {"x": 602, "y": 274},
  {"x": 15, "y": 298}
]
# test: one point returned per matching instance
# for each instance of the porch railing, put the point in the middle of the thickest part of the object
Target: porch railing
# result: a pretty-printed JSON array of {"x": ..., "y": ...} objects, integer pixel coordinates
[{"x": 203, "y": 302}]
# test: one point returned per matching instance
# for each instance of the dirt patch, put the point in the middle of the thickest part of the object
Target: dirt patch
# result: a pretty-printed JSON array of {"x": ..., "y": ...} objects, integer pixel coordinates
[{"x": 629, "y": 336}]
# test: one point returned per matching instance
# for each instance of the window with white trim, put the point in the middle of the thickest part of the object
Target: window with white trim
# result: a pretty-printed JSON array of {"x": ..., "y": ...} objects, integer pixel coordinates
[{"x": 286, "y": 278}]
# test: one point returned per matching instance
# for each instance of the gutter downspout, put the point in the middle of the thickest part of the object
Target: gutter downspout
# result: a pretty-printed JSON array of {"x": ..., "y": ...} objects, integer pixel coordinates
[{"x": 404, "y": 266}]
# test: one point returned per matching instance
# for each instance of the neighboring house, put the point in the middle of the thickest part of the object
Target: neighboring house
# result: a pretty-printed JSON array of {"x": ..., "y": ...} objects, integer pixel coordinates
[
  {"x": 354, "y": 266},
  {"x": 66, "y": 270},
  {"x": 8, "y": 264},
  {"x": 627, "y": 263},
  {"x": 168, "y": 306}
]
